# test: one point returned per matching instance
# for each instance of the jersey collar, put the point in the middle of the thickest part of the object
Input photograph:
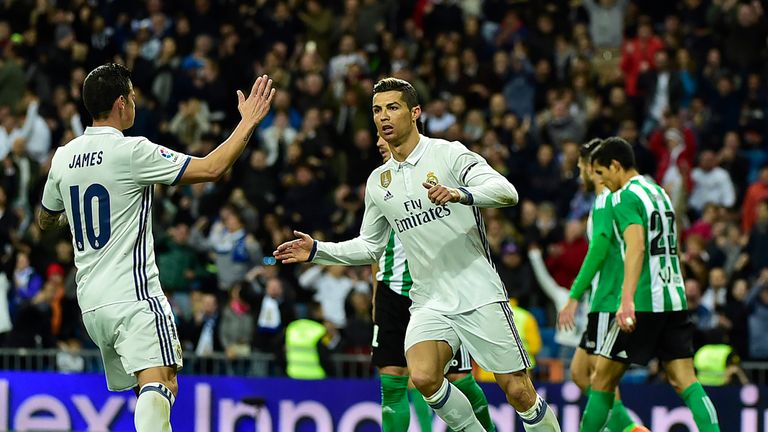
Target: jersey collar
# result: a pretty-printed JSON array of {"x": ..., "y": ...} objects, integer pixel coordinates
[
  {"x": 418, "y": 151},
  {"x": 101, "y": 130},
  {"x": 637, "y": 177}
]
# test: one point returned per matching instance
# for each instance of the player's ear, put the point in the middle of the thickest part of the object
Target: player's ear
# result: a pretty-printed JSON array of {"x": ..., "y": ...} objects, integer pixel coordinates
[{"x": 415, "y": 112}]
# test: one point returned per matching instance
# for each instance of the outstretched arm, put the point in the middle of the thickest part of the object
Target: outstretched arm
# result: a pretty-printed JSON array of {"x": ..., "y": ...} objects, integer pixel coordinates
[
  {"x": 252, "y": 110},
  {"x": 361, "y": 250}
]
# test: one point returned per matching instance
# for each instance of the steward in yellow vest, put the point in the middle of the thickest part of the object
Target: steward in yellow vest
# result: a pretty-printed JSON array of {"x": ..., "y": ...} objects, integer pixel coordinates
[
  {"x": 711, "y": 363},
  {"x": 305, "y": 350}
]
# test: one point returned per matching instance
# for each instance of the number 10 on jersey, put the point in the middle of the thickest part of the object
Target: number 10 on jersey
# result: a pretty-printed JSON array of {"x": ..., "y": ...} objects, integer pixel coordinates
[{"x": 99, "y": 192}]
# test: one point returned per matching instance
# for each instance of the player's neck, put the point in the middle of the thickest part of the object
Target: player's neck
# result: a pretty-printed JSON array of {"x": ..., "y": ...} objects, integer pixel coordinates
[
  {"x": 111, "y": 121},
  {"x": 401, "y": 152},
  {"x": 627, "y": 176}
]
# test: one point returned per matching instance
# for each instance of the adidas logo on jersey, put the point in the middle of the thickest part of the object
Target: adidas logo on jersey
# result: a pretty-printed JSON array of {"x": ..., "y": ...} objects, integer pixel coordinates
[
  {"x": 622, "y": 354},
  {"x": 388, "y": 196}
]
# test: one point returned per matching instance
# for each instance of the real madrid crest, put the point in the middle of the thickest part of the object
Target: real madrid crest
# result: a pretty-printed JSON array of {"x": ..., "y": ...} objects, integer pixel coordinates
[
  {"x": 386, "y": 178},
  {"x": 432, "y": 178}
]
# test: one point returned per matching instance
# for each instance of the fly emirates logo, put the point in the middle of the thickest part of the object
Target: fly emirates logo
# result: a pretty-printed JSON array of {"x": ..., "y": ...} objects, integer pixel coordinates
[{"x": 417, "y": 216}]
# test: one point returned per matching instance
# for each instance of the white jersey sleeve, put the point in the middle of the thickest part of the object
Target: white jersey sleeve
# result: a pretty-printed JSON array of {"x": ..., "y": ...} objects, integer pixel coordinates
[
  {"x": 361, "y": 250},
  {"x": 483, "y": 186},
  {"x": 152, "y": 163},
  {"x": 52, "y": 201}
]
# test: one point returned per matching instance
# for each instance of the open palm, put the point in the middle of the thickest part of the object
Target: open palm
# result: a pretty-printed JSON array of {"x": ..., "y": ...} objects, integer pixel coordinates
[
  {"x": 295, "y": 251},
  {"x": 256, "y": 106}
]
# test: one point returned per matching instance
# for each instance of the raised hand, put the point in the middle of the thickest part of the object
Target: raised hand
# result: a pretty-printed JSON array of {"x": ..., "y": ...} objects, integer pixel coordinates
[
  {"x": 254, "y": 108},
  {"x": 295, "y": 251}
]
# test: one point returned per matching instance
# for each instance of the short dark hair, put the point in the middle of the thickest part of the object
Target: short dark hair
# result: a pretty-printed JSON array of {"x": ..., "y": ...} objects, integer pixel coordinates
[
  {"x": 588, "y": 148},
  {"x": 102, "y": 86},
  {"x": 408, "y": 93},
  {"x": 614, "y": 149}
]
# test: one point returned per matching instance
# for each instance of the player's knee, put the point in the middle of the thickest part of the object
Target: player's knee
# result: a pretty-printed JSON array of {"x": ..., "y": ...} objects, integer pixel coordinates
[
  {"x": 680, "y": 382},
  {"x": 173, "y": 386},
  {"x": 427, "y": 382},
  {"x": 580, "y": 378},
  {"x": 170, "y": 382},
  {"x": 604, "y": 382}
]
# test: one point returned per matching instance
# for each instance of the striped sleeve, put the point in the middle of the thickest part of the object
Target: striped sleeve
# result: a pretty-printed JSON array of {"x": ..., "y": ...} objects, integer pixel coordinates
[{"x": 627, "y": 209}]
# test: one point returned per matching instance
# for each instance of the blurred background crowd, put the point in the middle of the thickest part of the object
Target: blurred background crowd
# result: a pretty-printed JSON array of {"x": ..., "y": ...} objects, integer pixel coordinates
[{"x": 522, "y": 83}]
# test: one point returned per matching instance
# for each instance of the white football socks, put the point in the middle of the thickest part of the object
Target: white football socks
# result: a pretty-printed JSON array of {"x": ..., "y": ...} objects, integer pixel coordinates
[
  {"x": 454, "y": 408},
  {"x": 153, "y": 408},
  {"x": 540, "y": 418}
]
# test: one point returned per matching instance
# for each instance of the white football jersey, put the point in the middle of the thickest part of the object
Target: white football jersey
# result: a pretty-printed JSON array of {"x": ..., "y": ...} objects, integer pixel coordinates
[
  {"x": 104, "y": 181},
  {"x": 446, "y": 246}
]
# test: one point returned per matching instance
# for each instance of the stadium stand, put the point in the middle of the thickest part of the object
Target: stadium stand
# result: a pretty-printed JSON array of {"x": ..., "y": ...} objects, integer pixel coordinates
[{"x": 523, "y": 83}]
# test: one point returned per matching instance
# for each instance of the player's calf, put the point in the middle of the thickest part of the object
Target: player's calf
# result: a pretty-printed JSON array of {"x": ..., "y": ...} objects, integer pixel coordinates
[
  {"x": 580, "y": 370},
  {"x": 536, "y": 414},
  {"x": 426, "y": 363},
  {"x": 518, "y": 389}
]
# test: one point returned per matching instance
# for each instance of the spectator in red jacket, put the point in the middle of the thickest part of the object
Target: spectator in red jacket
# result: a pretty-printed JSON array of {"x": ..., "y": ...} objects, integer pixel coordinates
[
  {"x": 674, "y": 155},
  {"x": 756, "y": 193},
  {"x": 566, "y": 256},
  {"x": 637, "y": 55}
]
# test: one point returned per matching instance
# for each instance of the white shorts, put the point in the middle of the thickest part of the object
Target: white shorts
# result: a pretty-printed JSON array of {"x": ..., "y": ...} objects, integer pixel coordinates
[
  {"x": 488, "y": 333},
  {"x": 132, "y": 337}
]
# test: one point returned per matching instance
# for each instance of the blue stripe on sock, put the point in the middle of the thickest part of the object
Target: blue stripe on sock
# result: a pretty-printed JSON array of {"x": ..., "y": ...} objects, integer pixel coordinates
[
  {"x": 539, "y": 415},
  {"x": 159, "y": 389},
  {"x": 442, "y": 402}
]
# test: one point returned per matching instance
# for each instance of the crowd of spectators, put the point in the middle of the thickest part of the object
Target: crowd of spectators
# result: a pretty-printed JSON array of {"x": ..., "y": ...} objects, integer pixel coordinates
[{"x": 522, "y": 83}]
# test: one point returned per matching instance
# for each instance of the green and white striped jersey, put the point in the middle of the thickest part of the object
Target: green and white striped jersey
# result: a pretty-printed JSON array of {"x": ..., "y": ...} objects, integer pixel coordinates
[
  {"x": 393, "y": 267},
  {"x": 606, "y": 285},
  {"x": 643, "y": 202}
]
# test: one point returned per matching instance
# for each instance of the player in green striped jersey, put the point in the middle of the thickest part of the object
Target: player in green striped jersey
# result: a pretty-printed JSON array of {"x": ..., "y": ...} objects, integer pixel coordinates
[
  {"x": 600, "y": 276},
  {"x": 391, "y": 303},
  {"x": 652, "y": 319}
]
